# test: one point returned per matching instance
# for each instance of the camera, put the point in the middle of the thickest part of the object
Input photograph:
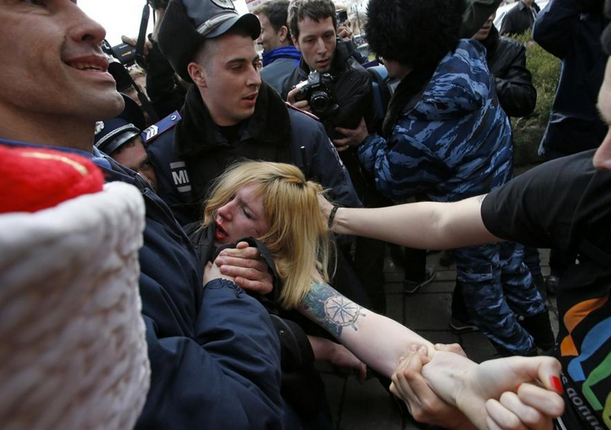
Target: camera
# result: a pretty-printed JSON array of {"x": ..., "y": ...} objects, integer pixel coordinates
[
  {"x": 123, "y": 52},
  {"x": 341, "y": 16},
  {"x": 318, "y": 91}
]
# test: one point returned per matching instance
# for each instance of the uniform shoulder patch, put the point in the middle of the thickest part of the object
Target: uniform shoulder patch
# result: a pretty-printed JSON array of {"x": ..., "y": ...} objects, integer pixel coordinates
[
  {"x": 157, "y": 129},
  {"x": 310, "y": 114}
]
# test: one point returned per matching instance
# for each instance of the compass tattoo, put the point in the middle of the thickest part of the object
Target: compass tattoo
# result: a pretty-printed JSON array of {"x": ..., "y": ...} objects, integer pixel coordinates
[{"x": 331, "y": 309}]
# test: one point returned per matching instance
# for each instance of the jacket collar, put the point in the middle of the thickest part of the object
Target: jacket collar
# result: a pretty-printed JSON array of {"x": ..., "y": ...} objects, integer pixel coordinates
[
  {"x": 289, "y": 52},
  {"x": 197, "y": 133},
  {"x": 521, "y": 5}
]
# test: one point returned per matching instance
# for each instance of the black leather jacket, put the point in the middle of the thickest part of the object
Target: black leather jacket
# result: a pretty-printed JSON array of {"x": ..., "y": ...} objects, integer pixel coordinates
[
  {"x": 352, "y": 88},
  {"x": 507, "y": 62}
]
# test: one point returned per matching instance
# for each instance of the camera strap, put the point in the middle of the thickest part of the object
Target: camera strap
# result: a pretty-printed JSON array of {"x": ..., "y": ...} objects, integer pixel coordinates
[
  {"x": 141, "y": 60},
  {"x": 142, "y": 34}
]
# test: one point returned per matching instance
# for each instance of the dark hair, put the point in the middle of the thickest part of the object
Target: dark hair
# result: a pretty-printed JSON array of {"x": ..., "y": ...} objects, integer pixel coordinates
[
  {"x": 276, "y": 12},
  {"x": 415, "y": 33},
  {"x": 204, "y": 56},
  {"x": 316, "y": 10}
]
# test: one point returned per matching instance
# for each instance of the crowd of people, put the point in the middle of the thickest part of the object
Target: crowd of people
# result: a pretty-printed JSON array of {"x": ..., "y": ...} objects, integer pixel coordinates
[{"x": 272, "y": 185}]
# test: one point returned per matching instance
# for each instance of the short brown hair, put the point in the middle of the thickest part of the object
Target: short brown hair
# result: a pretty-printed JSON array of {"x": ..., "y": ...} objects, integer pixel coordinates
[{"x": 314, "y": 9}]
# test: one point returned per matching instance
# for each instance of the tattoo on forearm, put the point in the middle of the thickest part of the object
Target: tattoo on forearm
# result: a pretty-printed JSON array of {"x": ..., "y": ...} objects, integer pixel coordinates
[{"x": 331, "y": 309}]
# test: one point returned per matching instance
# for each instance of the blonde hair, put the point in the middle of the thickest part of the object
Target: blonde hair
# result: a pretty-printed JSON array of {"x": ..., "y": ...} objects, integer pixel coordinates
[{"x": 298, "y": 236}]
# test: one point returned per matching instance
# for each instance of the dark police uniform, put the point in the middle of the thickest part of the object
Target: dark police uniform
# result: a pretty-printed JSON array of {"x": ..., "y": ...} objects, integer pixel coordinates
[{"x": 189, "y": 153}]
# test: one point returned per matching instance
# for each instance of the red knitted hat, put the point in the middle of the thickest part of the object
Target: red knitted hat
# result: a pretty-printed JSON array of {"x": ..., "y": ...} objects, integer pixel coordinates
[{"x": 34, "y": 179}]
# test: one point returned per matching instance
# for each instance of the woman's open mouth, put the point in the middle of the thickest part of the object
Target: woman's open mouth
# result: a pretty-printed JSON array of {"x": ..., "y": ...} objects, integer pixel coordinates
[{"x": 220, "y": 233}]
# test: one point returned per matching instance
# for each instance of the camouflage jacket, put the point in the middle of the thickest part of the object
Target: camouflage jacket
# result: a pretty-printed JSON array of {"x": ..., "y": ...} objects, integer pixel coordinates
[{"x": 451, "y": 141}]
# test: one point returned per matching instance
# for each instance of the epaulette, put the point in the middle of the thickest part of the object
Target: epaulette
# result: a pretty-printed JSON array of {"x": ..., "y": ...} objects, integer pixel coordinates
[
  {"x": 310, "y": 114},
  {"x": 157, "y": 129}
]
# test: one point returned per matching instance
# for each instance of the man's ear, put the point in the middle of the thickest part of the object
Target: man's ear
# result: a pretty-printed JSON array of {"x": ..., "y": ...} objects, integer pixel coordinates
[
  {"x": 197, "y": 73},
  {"x": 295, "y": 42},
  {"x": 283, "y": 33}
]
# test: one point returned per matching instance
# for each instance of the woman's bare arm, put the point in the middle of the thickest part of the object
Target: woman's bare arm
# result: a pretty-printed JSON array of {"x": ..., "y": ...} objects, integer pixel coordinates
[
  {"x": 461, "y": 384},
  {"x": 425, "y": 225},
  {"x": 378, "y": 341}
]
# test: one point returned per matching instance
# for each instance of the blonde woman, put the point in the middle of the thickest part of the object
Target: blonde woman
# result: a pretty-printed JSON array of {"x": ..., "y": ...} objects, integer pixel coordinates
[{"x": 274, "y": 203}]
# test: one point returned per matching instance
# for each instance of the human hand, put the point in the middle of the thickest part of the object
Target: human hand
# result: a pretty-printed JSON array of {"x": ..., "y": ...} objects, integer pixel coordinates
[
  {"x": 354, "y": 137},
  {"x": 301, "y": 104},
  {"x": 133, "y": 42},
  {"x": 247, "y": 267},
  {"x": 342, "y": 357},
  {"x": 338, "y": 355},
  {"x": 344, "y": 32},
  {"x": 422, "y": 402},
  {"x": 533, "y": 406},
  {"x": 485, "y": 393},
  {"x": 212, "y": 271}
]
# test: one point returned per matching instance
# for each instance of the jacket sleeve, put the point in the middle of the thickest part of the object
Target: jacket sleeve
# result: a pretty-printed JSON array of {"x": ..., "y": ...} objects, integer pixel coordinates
[
  {"x": 226, "y": 375},
  {"x": 557, "y": 22},
  {"x": 161, "y": 87},
  {"x": 401, "y": 165},
  {"x": 328, "y": 167},
  {"x": 514, "y": 86},
  {"x": 354, "y": 92},
  {"x": 321, "y": 162}
]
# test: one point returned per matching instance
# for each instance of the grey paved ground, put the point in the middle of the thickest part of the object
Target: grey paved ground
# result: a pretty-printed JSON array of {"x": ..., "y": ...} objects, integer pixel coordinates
[{"x": 369, "y": 406}]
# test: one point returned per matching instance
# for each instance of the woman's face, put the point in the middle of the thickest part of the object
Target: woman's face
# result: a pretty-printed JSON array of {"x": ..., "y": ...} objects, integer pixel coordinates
[{"x": 241, "y": 216}]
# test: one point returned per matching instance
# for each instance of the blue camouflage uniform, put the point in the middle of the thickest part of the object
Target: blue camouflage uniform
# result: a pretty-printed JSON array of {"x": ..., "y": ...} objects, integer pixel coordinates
[{"x": 451, "y": 142}]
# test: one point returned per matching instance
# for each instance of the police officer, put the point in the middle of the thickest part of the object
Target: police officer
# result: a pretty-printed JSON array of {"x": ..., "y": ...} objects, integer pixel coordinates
[
  {"x": 229, "y": 114},
  {"x": 121, "y": 138}
]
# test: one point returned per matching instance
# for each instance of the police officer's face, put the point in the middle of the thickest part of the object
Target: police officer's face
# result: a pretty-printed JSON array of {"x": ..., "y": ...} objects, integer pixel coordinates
[
  {"x": 135, "y": 157},
  {"x": 317, "y": 42},
  {"x": 52, "y": 65},
  {"x": 240, "y": 217},
  {"x": 602, "y": 158},
  {"x": 229, "y": 80}
]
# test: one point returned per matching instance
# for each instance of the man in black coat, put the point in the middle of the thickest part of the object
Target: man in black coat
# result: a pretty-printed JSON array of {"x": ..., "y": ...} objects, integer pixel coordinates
[
  {"x": 570, "y": 30},
  {"x": 507, "y": 62},
  {"x": 520, "y": 18}
]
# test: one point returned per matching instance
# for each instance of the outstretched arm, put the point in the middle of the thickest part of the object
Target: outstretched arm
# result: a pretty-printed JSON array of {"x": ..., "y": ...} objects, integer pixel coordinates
[
  {"x": 425, "y": 225},
  {"x": 472, "y": 393},
  {"x": 376, "y": 340}
]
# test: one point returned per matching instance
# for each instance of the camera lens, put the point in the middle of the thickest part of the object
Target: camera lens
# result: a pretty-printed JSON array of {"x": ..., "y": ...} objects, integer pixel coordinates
[{"x": 320, "y": 101}]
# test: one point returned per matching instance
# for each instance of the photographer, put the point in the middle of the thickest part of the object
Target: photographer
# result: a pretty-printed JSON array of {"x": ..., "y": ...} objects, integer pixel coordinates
[
  {"x": 331, "y": 84},
  {"x": 347, "y": 85}
]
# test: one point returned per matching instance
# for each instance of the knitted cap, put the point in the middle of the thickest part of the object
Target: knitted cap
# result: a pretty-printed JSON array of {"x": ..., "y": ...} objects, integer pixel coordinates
[{"x": 187, "y": 23}]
